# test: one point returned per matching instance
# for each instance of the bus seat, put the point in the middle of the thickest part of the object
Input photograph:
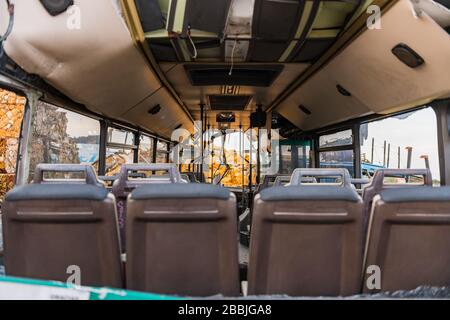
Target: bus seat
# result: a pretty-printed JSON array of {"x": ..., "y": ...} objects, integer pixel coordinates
[
  {"x": 55, "y": 230},
  {"x": 281, "y": 181},
  {"x": 182, "y": 239},
  {"x": 268, "y": 181},
  {"x": 409, "y": 238},
  {"x": 377, "y": 184},
  {"x": 185, "y": 178},
  {"x": 130, "y": 178},
  {"x": 307, "y": 239},
  {"x": 192, "y": 177}
]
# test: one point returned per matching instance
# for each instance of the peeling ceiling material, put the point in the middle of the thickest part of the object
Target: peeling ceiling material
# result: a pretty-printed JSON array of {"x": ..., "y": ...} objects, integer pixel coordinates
[{"x": 97, "y": 65}]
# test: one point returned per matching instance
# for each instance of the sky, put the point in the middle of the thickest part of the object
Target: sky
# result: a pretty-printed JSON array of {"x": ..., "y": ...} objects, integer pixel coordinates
[
  {"x": 418, "y": 131},
  {"x": 81, "y": 126}
]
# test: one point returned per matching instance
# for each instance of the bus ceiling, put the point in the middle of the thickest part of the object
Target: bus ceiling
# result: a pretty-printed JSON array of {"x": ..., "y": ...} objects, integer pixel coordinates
[{"x": 316, "y": 63}]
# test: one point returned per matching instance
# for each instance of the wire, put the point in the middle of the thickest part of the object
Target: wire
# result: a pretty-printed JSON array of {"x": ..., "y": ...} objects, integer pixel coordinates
[
  {"x": 10, "y": 26},
  {"x": 232, "y": 57},
  {"x": 192, "y": 43}
]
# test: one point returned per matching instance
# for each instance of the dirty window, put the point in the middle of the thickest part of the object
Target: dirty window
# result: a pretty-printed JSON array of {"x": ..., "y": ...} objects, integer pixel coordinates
[
  {"x": 12, "y": 108},
  {"x": 62, "y": 136}
]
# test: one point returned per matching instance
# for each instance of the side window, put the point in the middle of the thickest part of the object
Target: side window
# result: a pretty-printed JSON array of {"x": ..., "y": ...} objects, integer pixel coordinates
[
  {"x": 337, "y": 159},
  {"x": 161, "y": 152},
  {"x": 294, "y": 154},
  {"x": 407, "y": 140},
  {"x": 120, "y": 150},
  {"x": 146, "y": 149},
  {"x": 62, "y": 136},
  {"x": 338, "y": 139},
  {"x": 336, "y": 150},
  {"x": 12, "y": 108}
]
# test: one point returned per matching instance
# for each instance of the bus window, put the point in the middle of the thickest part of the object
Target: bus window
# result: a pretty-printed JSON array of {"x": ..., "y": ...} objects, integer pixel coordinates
[
  {"x": 146, "y": 149},
  {"x": 120, "y": 150},
  {"x": 338, "y": 139},
  {"x": 12, "y": 108},
  {"x": 162, "y": 152},
  {"x": 336, "y": 151},
  {"x": 294, "y": 154},
  {"x": 408, "y": 140},
  {"x": 337, "y": 159},
  {"x": 62, "y": 136}
]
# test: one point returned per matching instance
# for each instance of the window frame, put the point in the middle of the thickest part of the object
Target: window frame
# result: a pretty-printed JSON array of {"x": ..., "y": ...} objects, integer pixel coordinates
[
  {"x": 355, "y": 146},
  {"x": 26, "y": 130}
]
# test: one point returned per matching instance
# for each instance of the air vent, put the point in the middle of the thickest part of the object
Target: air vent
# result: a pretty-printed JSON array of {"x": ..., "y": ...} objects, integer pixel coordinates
[
  {"x": 155, "y": 109},
  {"x": 242, "y": 75},
  {"x": 225, "y": 102},
  {"x": 343, "y": 91},
  {"x": 230, "y": 90},
  {"x": 304, "y": 109},
  {"x": 407, "y": 55}
]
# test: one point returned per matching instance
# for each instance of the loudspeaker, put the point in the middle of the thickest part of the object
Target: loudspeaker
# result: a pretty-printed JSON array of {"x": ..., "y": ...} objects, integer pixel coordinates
[
  {"x": 55, "y": 7},
  {"x": 407, "y": 55},
  {"x": 258, "y": 118}
]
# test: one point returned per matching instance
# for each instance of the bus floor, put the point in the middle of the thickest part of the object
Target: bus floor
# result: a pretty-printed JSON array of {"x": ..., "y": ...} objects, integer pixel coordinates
[{"x": 243, "y": 261}]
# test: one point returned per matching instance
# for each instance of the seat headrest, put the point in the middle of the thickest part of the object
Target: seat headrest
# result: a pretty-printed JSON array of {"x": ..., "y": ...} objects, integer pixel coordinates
[
  {"x": 90, "y": 174},
  {"x": 416, "y": 194},
  {"x": 180, "y": 190},
  {"x": 292, "y": 193},
  {"x": 57, "y": 192}
]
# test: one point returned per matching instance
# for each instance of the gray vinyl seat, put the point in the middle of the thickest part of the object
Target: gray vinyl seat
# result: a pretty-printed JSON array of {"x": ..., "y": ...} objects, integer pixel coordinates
[
  {"x": 51, "y": 228},
  {"x": 133, "y": 176},
  {"x": 181, "y": 239},
  {"x": 306, "y": 240},
  {"x": 377, "y": 184},
  {"x": 268, "y": 181},
  {"x": 409, "y": 238}
]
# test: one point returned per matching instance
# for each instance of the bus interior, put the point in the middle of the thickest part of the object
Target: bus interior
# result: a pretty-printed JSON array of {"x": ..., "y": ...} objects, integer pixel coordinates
[{"x": 228, "y": 148}]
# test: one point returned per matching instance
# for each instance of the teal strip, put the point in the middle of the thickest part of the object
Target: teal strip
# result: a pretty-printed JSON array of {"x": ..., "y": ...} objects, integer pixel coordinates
[{"x": 95, "y": 293}]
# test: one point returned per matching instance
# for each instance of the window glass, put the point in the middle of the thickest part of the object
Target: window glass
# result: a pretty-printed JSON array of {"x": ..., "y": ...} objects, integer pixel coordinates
[
  {"x": 161, "y": 152},
  {"x": 115, "y": 158},
  {"x": 341, "y": 138},
  {"x": 120, "y": 136},
  {"x": 391, "y": 140},
  {"x": 12, "y": 108},
  {"x": 62, "y": 136},
  {"x": 286, "y": 159},
  {"x": 303, "y": 159},
  {"x": 337, "y": 159},
  {"x": 146, "y": 149},
  {"x": 119, "y": 150},
  {"x": 294, "y": 155}
]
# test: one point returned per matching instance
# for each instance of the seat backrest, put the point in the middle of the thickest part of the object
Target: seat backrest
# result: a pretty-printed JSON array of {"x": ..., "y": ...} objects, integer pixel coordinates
[
  {"x": 125, "y": 184},
  {"x": 182, "y": 239},
  {"x": 269, "y": 181},
  {"x": 130, "y": 179},
  {"x": 281, "y": 181},
  {"x": 192, "y": 177},
  {"x": 377, "y": 184},
  {"x": 86, "y": 174},
  {"x": 306, "y": 240},
  {"x": 52, "y": 230},
  {"x": 409, "y": 238},
  {"x": 185, "y": 177},
  {"x": 318, "y": 176}
]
